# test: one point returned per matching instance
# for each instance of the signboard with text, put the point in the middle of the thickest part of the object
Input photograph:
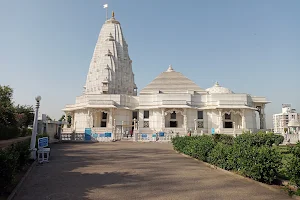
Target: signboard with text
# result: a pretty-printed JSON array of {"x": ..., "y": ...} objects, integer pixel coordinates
[{"x": 43, "y": 142}]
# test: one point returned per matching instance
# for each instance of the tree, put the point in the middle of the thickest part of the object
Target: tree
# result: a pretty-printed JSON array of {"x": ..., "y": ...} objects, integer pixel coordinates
[
  {"x": 24, "y": 115},
  {"x": 7, "y": 110},
  {"x": 62, "y": 118}
]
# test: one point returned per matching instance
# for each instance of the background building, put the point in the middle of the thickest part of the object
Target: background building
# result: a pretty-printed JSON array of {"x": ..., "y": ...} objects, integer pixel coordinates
[{"x": 281, "y": 121}]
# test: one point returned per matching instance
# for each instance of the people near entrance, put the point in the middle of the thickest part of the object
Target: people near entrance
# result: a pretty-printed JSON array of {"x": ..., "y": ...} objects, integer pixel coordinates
[{"x": 131, "y": 133}]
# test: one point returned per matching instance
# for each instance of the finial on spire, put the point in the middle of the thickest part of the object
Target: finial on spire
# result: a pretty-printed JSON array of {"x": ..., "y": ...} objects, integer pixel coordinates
[
  {"x": 217, "y": 83},
  {"x": 113, "y": 14},
  {"x": 170, "y": 69}
]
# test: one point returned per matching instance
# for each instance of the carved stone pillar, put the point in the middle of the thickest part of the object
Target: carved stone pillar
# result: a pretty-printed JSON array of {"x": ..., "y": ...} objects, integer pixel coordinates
[
  {"x": 220, "y": 121},
  {"x": 185, "y": 120},
  {"x": 163, "y": 123},
  {"x": 90, "y": 119},
  {"x": 134, "y": 124},
  {"x": 243, "y": 120},
  {"x": 110, "y": 120},
  {"x": 195, "y": 126}
]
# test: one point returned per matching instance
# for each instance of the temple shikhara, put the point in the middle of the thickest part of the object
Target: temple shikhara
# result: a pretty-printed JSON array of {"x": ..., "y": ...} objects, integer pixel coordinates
[{"x": 170, "y": 105}]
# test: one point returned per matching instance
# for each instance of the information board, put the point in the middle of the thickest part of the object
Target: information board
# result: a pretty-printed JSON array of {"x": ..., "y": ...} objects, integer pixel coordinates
[
  {"x": 161, "y": 134},
  {"x": 43, "y": 142},
  {"x": 212, "y": 131}
]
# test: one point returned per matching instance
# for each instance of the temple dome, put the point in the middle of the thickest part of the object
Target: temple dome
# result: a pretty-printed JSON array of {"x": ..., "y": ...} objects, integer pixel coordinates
[
  {"x": 294, "y": 123},
  {"x": 217, "y": 89},
  {"x": 171, "y": 81}
]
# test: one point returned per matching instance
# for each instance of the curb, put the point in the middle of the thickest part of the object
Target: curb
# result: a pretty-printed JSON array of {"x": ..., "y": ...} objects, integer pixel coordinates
[
  {"x": 240, "y": 176},
  {"x": 17, "y": 188}
]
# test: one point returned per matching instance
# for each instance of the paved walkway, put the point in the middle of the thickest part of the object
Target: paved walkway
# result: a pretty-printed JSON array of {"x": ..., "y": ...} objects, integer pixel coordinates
[{"x": 126, "y": 170}]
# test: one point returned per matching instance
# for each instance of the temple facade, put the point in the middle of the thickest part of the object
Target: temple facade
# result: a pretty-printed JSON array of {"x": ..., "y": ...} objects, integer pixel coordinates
[{"x": 170, "y": 105}]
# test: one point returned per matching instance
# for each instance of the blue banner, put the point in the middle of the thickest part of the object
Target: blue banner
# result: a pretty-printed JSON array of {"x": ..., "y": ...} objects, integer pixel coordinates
[
  {"x": 153, "y": 135},
  {"x": 107, "y": 134},
  {"x": 144, "y": 135},
  {"x": 95, "y": 135},
  {"x": 161, "y": 134},
  {"x": 88, "y": 131},
  {"x": 102, "y": 134}
]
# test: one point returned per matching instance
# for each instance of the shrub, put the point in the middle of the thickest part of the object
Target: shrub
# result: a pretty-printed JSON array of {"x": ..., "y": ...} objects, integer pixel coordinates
[
  {"x": 258, "y": 139},
  {"x": 293, "y": 165},
  {"x": 201, "y": 147},
  {"x": 259, "y": 163},
  {"x": 196, "y": 146},
  {"x": 250, "y": 154},
  {"x": 8, "y": 132},
  {"x": 278, "y": 139},
  {"x": 223, "y": 138},
  {"x": 12, "y": 159},
  {"x": 220, "y": 156}
]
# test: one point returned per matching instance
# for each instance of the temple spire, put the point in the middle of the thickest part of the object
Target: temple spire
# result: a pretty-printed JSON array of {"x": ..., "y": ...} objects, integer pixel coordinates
[{"x": 113, "y": 14}]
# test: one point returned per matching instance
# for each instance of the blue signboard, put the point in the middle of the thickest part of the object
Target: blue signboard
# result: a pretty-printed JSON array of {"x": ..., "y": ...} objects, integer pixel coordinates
[
  {"x": 144, "y": 135},
  {"x": 153, "y": 135},
  {"x": 87, "y": 134},
  {"x": 161, "y": 134},
  {"x": 88, "y": 131},
  {"x": 102, "y": 135},
  {"x": 43, "y": 142},
  {"x": 212, "y": 131},
  {"x": 107, "y": 134}
]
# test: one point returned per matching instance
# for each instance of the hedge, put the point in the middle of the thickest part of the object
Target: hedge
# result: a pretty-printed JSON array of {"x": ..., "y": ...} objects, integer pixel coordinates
[
  {"x": 12, "y": 160},
  {"x": 8, "y": 132},
  {"x": 251, "y": 155},
  {"x": 293, "y": 165}
]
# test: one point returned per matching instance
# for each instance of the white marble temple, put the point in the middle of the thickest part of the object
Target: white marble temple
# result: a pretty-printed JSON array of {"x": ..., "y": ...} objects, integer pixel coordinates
[{"x": 171, "y": 103}]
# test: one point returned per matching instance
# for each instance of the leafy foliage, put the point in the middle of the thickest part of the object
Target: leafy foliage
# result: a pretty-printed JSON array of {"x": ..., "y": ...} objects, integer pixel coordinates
[
  {"x": 13, "y": 118},
  {"x": 12, "y": 160},
  {"x": 252, "y": 155},
  {"x": 220, "y": 156},
  {"x": 293, "y": 165},
  {"x": 225, "y": 139},
  {"x": 7, "y": 110}
]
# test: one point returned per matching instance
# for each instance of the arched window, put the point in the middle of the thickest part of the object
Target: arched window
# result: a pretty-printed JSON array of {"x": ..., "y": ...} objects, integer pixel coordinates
[{"x": 173, "y": 115}]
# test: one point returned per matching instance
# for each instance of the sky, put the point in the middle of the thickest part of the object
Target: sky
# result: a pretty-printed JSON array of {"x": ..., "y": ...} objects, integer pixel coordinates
[{"x": 248, "y": 46}]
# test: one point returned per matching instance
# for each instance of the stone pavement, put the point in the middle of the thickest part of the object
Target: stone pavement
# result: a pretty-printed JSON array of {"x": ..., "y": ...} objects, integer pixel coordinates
[{"x": 127, "y": 170}]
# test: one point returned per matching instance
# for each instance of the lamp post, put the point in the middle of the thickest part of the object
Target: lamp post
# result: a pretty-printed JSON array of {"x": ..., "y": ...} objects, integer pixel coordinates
[{"x": 34, "y": 130}]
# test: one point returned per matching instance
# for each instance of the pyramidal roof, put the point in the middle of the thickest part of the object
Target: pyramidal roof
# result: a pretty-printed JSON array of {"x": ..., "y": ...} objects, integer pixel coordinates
[{"x": 171, "y": 81}]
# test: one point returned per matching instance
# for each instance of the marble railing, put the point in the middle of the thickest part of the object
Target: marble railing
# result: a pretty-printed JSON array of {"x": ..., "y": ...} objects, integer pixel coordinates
[
  {"x": 67, "y": 130},
  {"x": 101, "y": 102},
  {"x": 232, "y": 102},
  {"x": 173, "y": 102},
  {"x": 153, "y": 137},
  {"x": 72, "y": 136}
]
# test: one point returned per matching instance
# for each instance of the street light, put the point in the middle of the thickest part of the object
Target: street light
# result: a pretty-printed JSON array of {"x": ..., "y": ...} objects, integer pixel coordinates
[{"x": 34, "y": 130}]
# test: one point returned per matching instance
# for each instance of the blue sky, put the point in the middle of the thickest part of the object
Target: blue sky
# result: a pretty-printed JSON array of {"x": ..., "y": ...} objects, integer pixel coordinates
[{"x": 248, "y": 46}]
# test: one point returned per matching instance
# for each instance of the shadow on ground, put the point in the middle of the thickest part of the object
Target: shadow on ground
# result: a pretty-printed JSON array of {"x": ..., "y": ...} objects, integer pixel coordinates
[{"x": 126, "y": 170}]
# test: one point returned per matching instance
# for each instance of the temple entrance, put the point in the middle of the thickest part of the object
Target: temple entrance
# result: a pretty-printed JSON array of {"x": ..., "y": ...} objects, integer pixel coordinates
[{"x": 174, "y": 119}]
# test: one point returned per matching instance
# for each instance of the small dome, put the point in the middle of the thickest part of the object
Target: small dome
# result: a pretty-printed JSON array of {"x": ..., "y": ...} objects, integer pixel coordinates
[
  {"x": 170, "y": 69},
  {"x": 294, "y": 123},
  {"x": 217, "y": 89}
]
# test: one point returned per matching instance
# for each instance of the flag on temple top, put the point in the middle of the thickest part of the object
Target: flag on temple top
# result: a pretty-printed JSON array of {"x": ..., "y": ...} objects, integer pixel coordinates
[{"x": 105, "y": 5}]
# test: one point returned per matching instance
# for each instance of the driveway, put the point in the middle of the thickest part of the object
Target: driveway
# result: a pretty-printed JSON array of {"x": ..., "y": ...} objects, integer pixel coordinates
[{"x": 127, "y": 170}]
